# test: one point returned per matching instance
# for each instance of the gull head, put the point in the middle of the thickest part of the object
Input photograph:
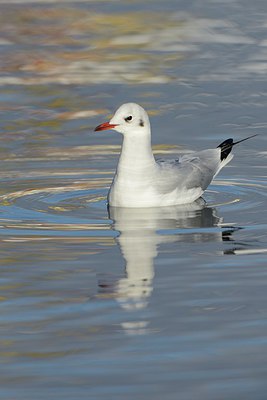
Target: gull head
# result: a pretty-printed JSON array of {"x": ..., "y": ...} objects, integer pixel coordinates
[{"x": 130, "y": 118}]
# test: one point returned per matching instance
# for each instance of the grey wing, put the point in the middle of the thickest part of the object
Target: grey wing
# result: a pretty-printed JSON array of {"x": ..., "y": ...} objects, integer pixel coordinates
[{"x": 194, "y": 170}]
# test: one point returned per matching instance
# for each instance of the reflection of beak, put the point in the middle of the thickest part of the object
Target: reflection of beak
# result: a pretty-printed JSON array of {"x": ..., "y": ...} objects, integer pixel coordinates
[{"x": 105, "y": 126}]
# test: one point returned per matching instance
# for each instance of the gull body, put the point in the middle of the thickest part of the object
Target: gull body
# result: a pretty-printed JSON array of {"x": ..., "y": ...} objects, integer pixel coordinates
[{"x": 141, "y": 181}]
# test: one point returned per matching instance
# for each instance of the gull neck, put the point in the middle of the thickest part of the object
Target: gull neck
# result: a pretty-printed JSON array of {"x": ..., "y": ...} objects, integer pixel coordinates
[{"x": 136, "y": 152}]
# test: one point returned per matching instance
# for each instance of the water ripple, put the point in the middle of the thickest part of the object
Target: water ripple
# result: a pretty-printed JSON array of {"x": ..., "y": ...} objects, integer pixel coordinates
[{"x": 81, "y": 210}]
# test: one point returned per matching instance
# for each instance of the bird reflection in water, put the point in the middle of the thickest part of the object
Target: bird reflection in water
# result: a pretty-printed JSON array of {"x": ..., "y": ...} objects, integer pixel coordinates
[{"x": 141, "y": 231}]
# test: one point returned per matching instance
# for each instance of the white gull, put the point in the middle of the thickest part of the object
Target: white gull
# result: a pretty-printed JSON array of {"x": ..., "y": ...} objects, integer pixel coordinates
[{"x": 141, "y": 181}]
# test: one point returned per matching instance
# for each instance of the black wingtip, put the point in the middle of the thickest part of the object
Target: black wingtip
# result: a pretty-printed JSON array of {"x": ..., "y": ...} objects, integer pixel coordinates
[
  {"x": 227, "y": 145},
  {"x": 226, "y": 148}
]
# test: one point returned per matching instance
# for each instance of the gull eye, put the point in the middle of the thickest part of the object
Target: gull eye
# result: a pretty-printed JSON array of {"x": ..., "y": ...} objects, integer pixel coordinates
[{"x": 128, "y": 119}]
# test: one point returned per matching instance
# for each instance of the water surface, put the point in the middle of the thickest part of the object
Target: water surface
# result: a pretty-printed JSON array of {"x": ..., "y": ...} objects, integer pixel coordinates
[{"x": 131, "y": 304}]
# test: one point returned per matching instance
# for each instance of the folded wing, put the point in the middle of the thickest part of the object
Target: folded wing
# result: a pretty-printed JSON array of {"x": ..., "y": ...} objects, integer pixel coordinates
[{"x": 194, "y": 170}]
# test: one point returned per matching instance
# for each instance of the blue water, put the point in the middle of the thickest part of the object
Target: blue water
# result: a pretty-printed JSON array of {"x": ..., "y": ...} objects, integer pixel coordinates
[{"x": 131, "y": 304}]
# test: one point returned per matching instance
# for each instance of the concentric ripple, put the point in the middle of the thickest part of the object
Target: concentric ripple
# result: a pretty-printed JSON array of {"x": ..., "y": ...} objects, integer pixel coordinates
[
  {"x": 82, "y": 211},
  {"x": 67, "y": 210},
  {"x": 247, "y": 193}
]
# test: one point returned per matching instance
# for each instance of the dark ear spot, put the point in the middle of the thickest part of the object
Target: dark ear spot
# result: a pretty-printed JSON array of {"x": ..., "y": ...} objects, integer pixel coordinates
[{"x": 141, "y": 122}]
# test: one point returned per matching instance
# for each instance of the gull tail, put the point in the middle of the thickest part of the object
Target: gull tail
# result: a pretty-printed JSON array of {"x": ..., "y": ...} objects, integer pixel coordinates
[{"x": 227, "y": 145}]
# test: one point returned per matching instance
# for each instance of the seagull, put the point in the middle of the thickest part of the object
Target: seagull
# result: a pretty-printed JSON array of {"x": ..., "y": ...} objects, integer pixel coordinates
[{"x": 141, "y": 181}]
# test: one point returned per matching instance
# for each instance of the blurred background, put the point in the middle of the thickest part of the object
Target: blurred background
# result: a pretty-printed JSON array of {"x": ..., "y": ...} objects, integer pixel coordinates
[{"x": 181, "y": 311}]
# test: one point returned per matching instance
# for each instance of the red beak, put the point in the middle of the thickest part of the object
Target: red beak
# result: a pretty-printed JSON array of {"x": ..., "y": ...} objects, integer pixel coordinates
[{"x": 105, "y": 126}]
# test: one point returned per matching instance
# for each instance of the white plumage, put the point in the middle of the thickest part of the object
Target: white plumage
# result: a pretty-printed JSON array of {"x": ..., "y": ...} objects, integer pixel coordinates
[{"x": 141, "y": 181}]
